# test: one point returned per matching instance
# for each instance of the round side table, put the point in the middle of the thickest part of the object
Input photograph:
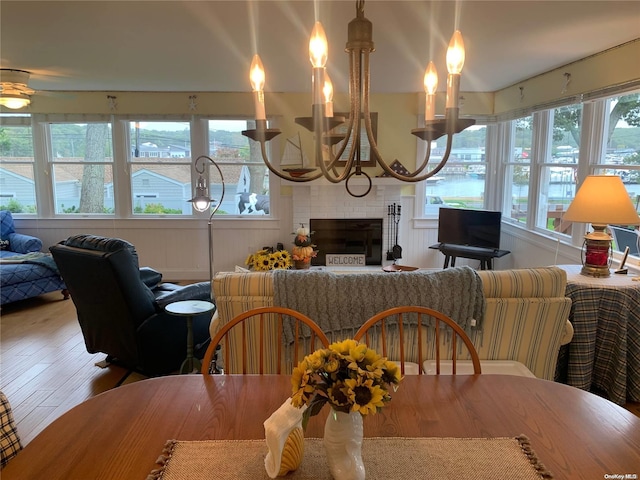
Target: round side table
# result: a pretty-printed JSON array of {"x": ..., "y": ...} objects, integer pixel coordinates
[{"x": 189, "y": 308}]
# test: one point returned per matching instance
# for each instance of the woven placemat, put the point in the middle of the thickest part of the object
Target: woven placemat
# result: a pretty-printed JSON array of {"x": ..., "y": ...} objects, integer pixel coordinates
[{"x": 384, "y": 458}]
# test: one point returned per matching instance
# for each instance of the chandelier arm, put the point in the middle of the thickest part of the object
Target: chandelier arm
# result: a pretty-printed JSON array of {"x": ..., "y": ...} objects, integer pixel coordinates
[
  {"x": 329, "y": 169},
  {"x": 353, "y": 128},
  {"x": 425, "y": 162},
  {"x": 372, "y": 142},
  {"x": 411, "y": 177},
  {"x": 430, "y": 173},
  {"x": 445, "y": 158},
  {"x": 334, "y": 158},
  {"x": 318, "y": 131},
  {"x": 354, "y": 109}
]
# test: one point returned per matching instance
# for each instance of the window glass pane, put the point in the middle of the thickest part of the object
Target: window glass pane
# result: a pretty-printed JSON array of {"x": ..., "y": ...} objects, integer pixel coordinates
[
  {"x": 82, "y": 167},
  {"x": 622, "y": 158},
  {"x": 623, "y": 143},
  {"x": 517, "y": 173},
  {"x": 161, "y": 141},
  {"x": 245, "y": 174},
  {"x": 558, "y": 176},
  {"x": 17, "y": 181},
  {"x": 160, "y": 167},
  {"x": 461, "y": 183}
]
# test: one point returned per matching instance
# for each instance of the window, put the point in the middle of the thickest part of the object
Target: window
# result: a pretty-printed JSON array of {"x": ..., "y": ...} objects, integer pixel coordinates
[
  {"x": 81, "y": 160},
  {"x": 160, "y": 167},
  {"x": 461, "y": 183},
  {"x": 245, "y": 174},
  {"x": 622, "y": 153},
  {"x": 17, "y": 174},
  {"x": 559, "y": 170},
  {"x": 518, "y": 169}
]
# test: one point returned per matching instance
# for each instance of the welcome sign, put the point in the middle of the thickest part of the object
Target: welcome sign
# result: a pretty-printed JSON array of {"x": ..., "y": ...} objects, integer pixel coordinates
[{"x": 345, "y": 260}]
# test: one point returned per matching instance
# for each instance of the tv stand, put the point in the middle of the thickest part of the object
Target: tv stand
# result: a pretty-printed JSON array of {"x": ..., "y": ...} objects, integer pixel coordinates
[{"x": 485, "y": 255}]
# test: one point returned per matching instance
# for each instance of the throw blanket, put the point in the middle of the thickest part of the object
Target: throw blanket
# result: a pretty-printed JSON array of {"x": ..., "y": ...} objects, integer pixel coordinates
[
  {"x": 36, "y": 258},
  {"x": 341, "y": 303}
]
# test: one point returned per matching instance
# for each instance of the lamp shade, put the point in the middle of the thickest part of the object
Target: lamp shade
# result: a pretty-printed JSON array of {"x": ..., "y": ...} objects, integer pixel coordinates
[{"x": 602, "y": 200}]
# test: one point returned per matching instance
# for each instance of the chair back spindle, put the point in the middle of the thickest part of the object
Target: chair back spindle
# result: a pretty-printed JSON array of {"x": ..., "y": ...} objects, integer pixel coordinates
[
  {"x": 267, "y": 325},
  {"x": 407, "y": 322}
]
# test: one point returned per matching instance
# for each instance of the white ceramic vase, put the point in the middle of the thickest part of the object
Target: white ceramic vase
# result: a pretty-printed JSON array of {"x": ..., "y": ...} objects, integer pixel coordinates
[{"x": 343, "y": 445}]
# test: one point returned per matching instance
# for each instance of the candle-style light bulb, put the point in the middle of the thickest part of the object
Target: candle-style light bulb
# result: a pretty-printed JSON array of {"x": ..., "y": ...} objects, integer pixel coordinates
[
  {"x": 455, "y": 53},
  {"x": 430, "y": 87},
  {"x": 318, "y": 50},
  {"x": 318, "y": 46},
  {"x": 257, "y": 77},
  {"x": 328, "y": 96},
  {"x": 455, "y": 62}
]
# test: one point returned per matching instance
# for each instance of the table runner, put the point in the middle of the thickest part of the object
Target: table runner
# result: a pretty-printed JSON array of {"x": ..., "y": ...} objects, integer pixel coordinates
[{"x": 384, "y": 458}]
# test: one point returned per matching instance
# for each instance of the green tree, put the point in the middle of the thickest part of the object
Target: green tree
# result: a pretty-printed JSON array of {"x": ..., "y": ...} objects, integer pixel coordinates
[
  {"x": 92, "y": 190},
  {"x": 5, "y": 142},
  {"x": 567, "y": 119}
]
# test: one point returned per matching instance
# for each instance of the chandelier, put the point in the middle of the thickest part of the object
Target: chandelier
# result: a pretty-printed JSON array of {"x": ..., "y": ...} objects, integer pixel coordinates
[{"x": 327, "y": 152}]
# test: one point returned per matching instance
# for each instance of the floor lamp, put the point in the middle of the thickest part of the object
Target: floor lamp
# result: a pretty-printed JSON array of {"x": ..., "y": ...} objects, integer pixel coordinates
[{"x": 202, "y": 201}]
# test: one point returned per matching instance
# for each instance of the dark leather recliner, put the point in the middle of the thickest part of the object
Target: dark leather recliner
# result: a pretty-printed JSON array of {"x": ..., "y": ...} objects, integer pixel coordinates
[{"x": 120, "y": 306}]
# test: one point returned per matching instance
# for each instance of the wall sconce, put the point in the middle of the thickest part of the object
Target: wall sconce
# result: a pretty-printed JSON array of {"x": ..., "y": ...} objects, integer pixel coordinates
[
  {"x": 201, "y": 200},
  {"x": 601, "y": 200}
]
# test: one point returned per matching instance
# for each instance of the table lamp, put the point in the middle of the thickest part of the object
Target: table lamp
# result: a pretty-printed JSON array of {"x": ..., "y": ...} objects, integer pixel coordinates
[{"x": 601, "y": 200}]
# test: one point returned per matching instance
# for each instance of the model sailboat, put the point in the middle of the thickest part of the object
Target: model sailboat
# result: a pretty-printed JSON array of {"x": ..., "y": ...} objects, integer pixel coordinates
[{"x": 294, "y": 160}]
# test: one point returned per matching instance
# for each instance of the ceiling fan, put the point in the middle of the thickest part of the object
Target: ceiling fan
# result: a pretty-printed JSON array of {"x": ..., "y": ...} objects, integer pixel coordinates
[{"x": 14, "y": 92}]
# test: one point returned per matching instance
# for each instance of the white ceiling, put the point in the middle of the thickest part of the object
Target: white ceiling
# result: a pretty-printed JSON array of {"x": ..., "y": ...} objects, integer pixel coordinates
[{"x": 203, "y": 46}]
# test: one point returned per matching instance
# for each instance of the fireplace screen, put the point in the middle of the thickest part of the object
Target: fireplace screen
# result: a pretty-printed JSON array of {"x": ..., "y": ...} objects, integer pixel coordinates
[{"x": 361, "y": 236}]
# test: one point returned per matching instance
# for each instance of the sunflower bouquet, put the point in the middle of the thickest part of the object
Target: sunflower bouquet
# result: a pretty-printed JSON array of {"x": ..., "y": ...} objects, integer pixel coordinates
[
  {"x": 348, "y": 375},
  {"x": 268, "y": 259}
]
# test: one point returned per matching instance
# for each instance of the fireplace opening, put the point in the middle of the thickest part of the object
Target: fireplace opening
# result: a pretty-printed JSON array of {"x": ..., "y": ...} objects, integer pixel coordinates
[{"x": 361, "y": 236}]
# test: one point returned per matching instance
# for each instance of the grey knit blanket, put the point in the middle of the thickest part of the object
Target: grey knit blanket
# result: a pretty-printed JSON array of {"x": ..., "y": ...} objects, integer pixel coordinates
[{"x": 341, "y": 303}]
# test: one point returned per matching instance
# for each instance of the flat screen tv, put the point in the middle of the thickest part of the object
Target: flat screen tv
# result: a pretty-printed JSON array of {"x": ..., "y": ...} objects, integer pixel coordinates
[
  {"x": 471, "y": 228},
  {"x": 347, "y": 236}
]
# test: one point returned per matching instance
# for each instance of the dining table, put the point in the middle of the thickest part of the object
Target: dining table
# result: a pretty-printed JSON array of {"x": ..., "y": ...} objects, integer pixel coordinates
[{"x": 119, "y": 434}]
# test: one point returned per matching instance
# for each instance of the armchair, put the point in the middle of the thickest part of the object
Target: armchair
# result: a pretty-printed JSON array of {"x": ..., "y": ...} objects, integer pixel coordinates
[{"x": 120, "y": 306}]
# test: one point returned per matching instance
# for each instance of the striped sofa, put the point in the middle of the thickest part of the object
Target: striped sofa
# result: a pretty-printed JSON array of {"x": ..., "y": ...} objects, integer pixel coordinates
[{"x": 526, "y": 317}]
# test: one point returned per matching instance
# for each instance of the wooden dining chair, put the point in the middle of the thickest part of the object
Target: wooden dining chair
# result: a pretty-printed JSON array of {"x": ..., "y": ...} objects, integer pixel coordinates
[
  {"x": 413, "y": 332},
  {"x": 265, "y": 340}
]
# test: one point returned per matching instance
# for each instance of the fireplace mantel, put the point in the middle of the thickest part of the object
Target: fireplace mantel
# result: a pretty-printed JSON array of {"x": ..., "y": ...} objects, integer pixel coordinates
[{"x": 379, "y": 185}]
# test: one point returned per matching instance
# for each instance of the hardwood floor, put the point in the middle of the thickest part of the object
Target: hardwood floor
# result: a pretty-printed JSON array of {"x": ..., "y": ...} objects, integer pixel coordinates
[{"x": 45, "y": 369}]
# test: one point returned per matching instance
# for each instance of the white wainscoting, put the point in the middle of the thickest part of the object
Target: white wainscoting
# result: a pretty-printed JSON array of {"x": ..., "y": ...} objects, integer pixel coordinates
[{"x": 178, "y": 247}]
